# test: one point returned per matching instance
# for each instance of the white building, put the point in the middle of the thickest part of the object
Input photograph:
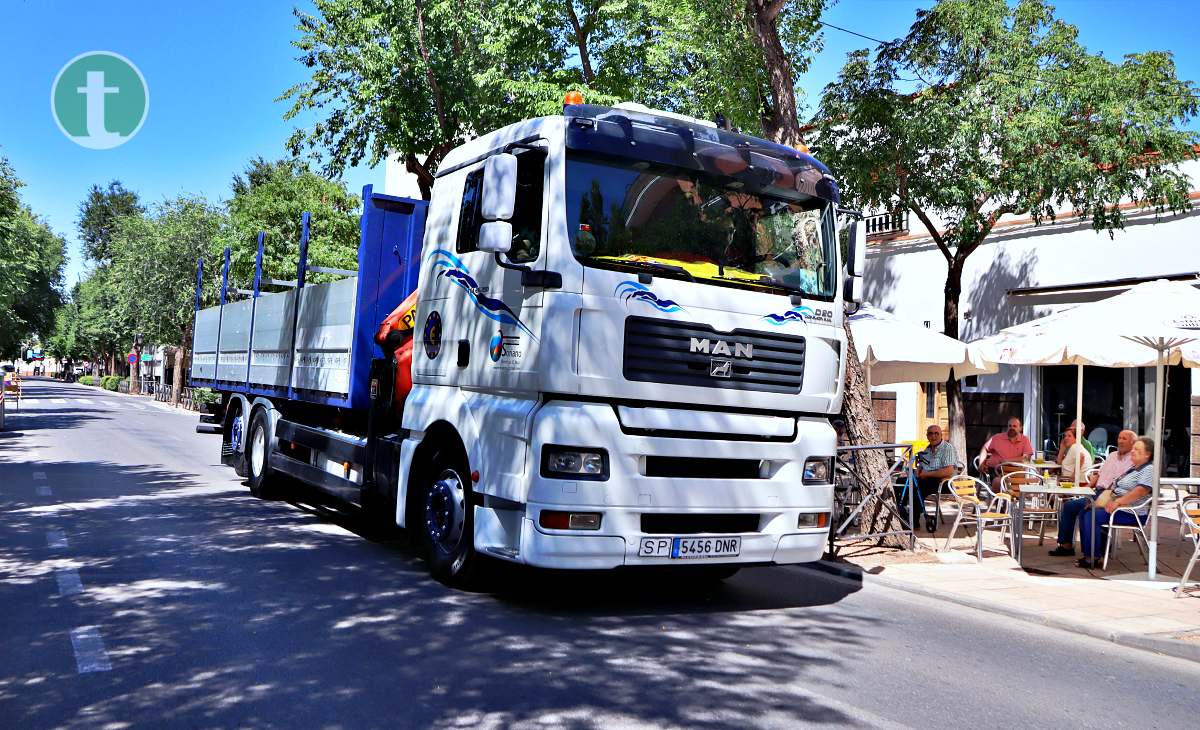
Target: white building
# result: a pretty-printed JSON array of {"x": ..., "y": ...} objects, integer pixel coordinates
[{"x": 1022, "y": 272}]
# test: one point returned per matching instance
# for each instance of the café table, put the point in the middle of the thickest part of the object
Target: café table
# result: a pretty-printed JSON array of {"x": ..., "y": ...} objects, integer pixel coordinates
[
  {"x": 1191, "y": 485},
  {"x": 1038, "y": 466},
  {"x": 1018, "y": 507}
]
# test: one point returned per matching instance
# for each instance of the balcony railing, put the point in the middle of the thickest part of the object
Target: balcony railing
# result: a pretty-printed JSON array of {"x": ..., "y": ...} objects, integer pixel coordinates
[{"x": 887, "y": 224}]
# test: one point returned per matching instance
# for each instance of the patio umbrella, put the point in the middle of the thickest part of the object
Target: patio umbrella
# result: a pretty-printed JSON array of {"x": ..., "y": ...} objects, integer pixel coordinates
[
  {"x": 1155, "y": 323},
  {"x": 895, "y": 350}
]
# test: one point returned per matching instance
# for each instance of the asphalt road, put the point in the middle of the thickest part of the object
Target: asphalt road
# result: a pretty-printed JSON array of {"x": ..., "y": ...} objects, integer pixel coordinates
[{"x": 142, "y": 586}]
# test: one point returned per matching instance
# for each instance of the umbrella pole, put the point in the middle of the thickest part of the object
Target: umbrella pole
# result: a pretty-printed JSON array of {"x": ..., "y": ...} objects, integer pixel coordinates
[
  {"x": 1160, "y": 372},
  {"x": 1078, "y": 412}
]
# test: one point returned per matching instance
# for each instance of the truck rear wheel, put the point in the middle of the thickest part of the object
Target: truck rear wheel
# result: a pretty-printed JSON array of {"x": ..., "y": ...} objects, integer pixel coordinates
[
  {"x": 444, "y": 521},
  {"x": 258, "y": 456}
]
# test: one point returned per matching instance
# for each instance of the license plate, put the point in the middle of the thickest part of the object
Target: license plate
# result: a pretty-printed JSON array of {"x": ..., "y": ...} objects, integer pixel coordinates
[{"x": 687, "y": 548}]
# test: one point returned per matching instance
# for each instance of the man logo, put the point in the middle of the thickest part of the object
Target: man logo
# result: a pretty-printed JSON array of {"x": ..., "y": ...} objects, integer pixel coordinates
[
  {"x": 99, "y": 100},
  {"x": 721, "y": 347},
  {"x": 720, "y": 368}
]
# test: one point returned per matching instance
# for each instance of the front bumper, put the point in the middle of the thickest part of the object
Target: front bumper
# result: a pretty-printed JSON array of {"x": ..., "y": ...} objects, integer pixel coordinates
[{"x": 773, "y": 502}]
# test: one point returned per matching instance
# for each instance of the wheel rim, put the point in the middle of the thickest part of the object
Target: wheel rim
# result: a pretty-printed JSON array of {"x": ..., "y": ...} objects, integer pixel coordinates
[
  {"x": 445, "y": 512},
  {"x": 258, "y": 451},
  {"x": 235, "y": 437}
]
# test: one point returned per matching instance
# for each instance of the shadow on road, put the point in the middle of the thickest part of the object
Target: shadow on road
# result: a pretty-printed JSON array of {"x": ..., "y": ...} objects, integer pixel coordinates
[{"x": 218, "y": 609}]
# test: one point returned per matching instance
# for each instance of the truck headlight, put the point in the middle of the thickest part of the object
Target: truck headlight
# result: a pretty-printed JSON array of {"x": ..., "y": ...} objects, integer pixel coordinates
[
  {"x": 817, "y": 469},
  {"x": 573, "y": 462}
]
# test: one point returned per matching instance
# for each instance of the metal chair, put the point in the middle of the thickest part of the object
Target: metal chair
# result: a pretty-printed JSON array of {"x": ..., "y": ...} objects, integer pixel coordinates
[
  {"x": 1189, "y": 520},
  {"x": 969, "y": 494},
  {"x": 1037, "y": 509},
  {"x": 1137, "y": 528}
]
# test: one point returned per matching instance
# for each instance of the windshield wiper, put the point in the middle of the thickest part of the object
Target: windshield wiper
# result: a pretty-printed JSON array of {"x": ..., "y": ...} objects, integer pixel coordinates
[
  {"x": 659, "y": 267},
  {"x": 781, "y": 285}
]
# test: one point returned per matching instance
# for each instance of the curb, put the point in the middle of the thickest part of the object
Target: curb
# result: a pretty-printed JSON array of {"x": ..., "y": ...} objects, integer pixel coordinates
[{"x": 1189, "y": 651}]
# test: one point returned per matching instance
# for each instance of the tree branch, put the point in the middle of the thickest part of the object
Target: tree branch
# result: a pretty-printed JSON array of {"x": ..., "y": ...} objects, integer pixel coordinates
[
  {"x": 429, "y": 77},
  {"x": 581, "y": 38},
  {"x": 933, "y": 232},
  {"x": 771, "y": 10}
]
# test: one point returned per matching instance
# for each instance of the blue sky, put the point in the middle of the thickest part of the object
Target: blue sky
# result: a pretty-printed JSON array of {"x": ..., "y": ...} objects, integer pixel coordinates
[{"x": 215, "y": 68}]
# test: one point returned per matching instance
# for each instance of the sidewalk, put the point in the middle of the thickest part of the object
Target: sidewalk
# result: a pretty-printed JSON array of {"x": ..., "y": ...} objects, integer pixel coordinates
[{"x": 1118, "y": 605}]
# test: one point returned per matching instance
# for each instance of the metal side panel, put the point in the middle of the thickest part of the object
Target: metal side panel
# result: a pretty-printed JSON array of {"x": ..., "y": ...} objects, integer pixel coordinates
[
  {"x": 204, "y": 343},
  {"x": 324, "y": 337},
  {"x": 235, "y": 341},
  {"x": 271, "y": 351}
]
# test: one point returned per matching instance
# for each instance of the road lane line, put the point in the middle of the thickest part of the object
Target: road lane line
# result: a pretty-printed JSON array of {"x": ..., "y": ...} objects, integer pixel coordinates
[
  {"x": 56, "y": 539},
  {"x": 90, "y": 655},
  {"x": 58, "y": 401},
  {"x": 69, "y": 583},
  {"x": 84, "y": 401},
  {"x": 39, "y": 475},
  {"x": 44, "y": 491}
]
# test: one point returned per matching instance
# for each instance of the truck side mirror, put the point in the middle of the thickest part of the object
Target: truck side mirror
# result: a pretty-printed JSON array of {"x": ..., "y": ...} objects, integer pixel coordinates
[
  {"x": 499, "y": 187},
  {"x": 857, "y": 265},
  {"x": 495, "y": 236}
]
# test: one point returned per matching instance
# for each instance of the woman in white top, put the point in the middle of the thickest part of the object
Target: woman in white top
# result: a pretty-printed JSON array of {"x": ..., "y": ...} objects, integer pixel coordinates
[{"x": 1075, "y": 458}]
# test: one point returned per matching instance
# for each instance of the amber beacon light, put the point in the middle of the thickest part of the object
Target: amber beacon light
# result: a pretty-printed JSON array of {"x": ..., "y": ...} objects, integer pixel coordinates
[{"x": 573, "y": 97}]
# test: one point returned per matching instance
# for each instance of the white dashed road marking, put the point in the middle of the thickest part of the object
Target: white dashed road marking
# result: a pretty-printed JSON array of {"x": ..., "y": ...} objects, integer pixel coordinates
[
  {"x": 90, "y": 655},
  {"x": 69, "y": 583},
  {"x": 44, "y": 491},
  {"x": 56, "y": 539},
  {"x": 59, "y": 401},
  {"x": 84, "y": 401},
  {"x": 39, "y": 475}
]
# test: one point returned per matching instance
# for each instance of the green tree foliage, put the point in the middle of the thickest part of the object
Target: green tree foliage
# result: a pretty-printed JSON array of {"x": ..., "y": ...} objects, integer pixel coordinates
[
  {"x": 1011, "y": 115},
  {"x": 103, "y": 328},
  {"x": 154, "y": 266},
  {"x": 98, "y": 214},
  {"x": 31, "y": 269},
  {"x": 66, "y": 342},
  {"x": 272, "y": 197}
]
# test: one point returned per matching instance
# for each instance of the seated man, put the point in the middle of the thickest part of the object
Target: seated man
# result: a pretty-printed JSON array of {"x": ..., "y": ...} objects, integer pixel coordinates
[
  {"x": 1011, "y": 445},
  {"x": 936, "y": 462},
  {"x": 1075, "y": 459},
  {"x": 1114, "y": 466}
]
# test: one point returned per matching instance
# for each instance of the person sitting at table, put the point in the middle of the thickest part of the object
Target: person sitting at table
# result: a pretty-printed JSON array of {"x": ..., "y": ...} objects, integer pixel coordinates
[
  {"x": 1114, "y": 466},
  {"x": 1130, "y": 488},
  {"x": 1010, "y": 445},
  {"x": 1075, "y": 459},
  {"x": 936, "y": 462},
  {"x": 1062, "y": 447}
]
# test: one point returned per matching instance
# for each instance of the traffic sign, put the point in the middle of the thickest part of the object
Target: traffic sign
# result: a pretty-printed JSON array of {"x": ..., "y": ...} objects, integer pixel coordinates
[
  {"x": 147, "y": 357},
  {"x": 132, "y": 358}
]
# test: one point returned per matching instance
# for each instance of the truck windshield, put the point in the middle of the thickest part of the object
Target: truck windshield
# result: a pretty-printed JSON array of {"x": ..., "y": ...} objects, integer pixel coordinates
[{"x": 633, "y": 216}]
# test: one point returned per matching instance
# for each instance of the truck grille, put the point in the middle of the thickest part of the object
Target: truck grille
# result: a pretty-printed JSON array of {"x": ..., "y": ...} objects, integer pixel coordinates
[{"x": 660, "y": 351}]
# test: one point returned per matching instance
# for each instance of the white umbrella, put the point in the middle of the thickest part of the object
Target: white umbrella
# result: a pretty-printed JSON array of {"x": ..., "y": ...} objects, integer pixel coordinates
[
  {"x": 1155, "y": 323},
  {"x": 894, "y": 350}
]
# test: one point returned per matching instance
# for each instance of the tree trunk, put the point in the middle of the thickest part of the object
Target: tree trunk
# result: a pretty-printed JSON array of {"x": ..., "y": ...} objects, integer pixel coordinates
[
  {"x": 177, "y": 386},
  {"x": 135, "y": 385},
  {"x": 868, "y": 466},
  {"x": 781, "y": 123},
  {"x": 954, "y": 402}
]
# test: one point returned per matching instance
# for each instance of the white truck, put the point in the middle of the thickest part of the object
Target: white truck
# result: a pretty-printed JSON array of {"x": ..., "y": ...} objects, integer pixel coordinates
[{"x": 627, "y": 345}]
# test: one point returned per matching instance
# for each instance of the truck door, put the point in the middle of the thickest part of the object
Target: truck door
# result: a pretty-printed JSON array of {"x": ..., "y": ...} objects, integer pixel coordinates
[{"x": 490, "y": 321}]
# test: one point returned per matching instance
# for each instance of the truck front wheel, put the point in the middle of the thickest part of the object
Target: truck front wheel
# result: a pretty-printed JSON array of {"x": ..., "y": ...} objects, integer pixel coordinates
[{"x": 444, "y": 521}]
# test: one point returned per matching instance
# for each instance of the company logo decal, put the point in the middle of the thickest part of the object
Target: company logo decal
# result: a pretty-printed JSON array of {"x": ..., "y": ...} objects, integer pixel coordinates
[
  {"x": 633, "y": 290},
  {"x": 720, "y": 368},
  {"x": 505, "y": 350},
  {"x": 721, "y": 347},
  {"x": 454, "y": 270},
  {"x": 432, "y": 337},
  {"x": 802, "y": 313}
]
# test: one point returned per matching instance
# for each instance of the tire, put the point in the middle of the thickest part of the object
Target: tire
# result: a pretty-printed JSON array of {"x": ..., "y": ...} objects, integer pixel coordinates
[
  {"x": 237, "y": 441},
  {"x": 443, "y": 523},
  {"x": 258, "y": 456}
]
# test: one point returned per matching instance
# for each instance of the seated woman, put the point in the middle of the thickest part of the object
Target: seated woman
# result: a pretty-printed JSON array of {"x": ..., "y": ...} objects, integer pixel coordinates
[
  {"x": 1074, "y": 457},
  {"x": 1131, "y": 488}
]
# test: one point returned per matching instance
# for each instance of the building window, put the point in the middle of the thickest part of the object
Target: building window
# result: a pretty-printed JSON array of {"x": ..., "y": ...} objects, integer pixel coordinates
[
  {"x": 972, "y": 381},
  {"x": 931, "y": 400}
]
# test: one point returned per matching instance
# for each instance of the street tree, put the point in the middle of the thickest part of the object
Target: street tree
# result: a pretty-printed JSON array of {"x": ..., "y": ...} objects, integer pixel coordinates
[
  {"x": 104, "y": 327},
  {"x": 986, "y": 109},
  {"x": 272, "y": 197},
  {"x": 98, "y": 214},
  {"x": 153, "y": 271},
  {"x": 32, "y": 257}
]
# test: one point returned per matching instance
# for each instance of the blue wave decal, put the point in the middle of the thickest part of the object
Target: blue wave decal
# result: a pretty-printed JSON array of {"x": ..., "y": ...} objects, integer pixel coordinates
[
  {"x": 632, "y": 290},
  {"x": 455, "y": 271},
  {"x": 795, "y": 314}
]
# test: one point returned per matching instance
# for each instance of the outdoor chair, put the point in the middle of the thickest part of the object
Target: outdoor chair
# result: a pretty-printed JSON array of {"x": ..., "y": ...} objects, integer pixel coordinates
[
  {"x": 1087, "y": 475},
  {"x": 1037, "y": 509},
  {"x": 1189, "y": 520},
  {"x": 1136, "y": 529},
  {"x": 969, "y": 495}
]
